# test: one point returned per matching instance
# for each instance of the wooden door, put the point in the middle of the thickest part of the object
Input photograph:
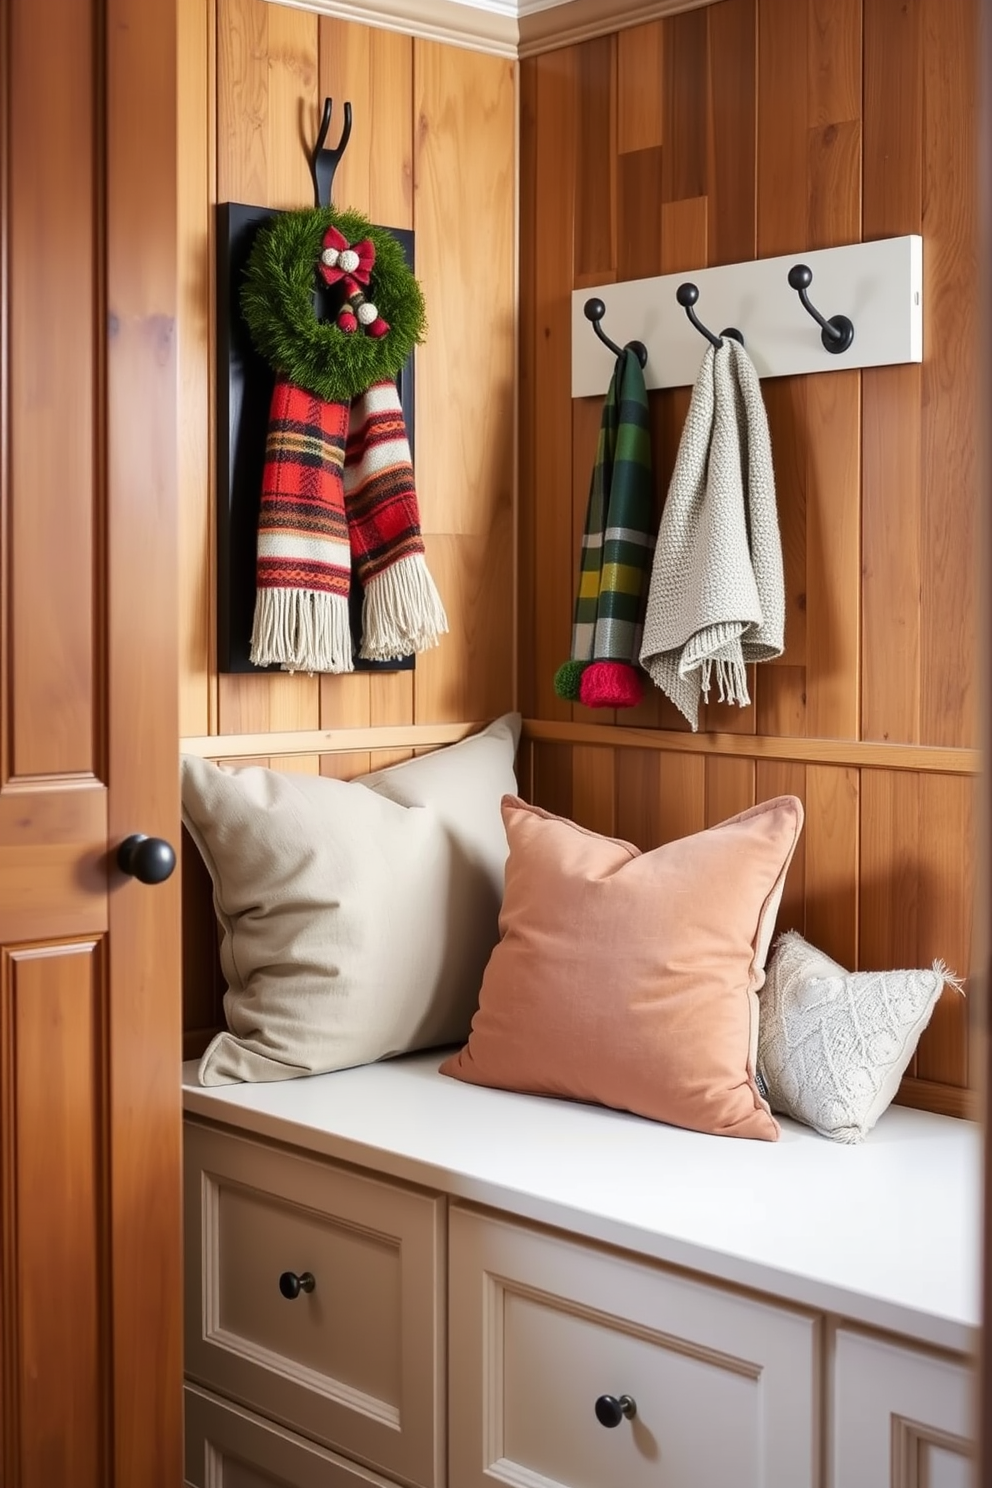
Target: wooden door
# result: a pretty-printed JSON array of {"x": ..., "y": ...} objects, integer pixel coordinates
[{"x": 90, "y": 1332}]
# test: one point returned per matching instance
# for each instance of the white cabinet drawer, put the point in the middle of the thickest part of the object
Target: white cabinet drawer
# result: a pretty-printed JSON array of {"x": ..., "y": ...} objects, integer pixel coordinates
[
  {"x": 356, "y": 1361},
  {"x": 228, "y": 1447},
  {"x": 902, "y": 1418},
  {"x": 725, "y": 1387}
]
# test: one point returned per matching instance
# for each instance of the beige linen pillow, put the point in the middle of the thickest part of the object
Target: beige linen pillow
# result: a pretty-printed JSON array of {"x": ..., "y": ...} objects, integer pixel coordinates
[
  {"x": 834, "y": 1044},
  {"x": 357, "y": 917},
  {"x": 629, "y": 978}
]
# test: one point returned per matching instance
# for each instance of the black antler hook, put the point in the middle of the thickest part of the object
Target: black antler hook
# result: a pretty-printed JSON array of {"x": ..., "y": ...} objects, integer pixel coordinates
[
  {"x": 837, "y": 333},
  {"x": 323, "y": 163},
  {"x": 594, "y": 310},
  {"x": 687, "y": 295}
]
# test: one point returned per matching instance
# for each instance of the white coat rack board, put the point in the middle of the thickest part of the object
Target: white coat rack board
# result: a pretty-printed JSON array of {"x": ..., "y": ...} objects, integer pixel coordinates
[{"x": 878, "y": 286}]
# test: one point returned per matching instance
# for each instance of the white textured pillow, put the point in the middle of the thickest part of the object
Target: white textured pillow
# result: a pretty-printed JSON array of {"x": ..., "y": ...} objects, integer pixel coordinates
[
  {"x": 833, "y": 1045},
  {"x": 357, "y": 917}
]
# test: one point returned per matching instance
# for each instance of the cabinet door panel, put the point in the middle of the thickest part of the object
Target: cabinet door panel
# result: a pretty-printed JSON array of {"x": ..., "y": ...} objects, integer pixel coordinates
[
  {"x": 541, "y": 1328},
  {"x": 901, "y": 1416},
  {"x": 353, "y": 1362},
  {"x": 227, "y": 1447}
]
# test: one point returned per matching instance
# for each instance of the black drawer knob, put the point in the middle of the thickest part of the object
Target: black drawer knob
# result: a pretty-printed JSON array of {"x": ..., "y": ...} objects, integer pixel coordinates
[
  {"x": 292, "y": 1285},
  {"x": 148, "y": 859},
  {"x": 610, "y": 1410}
]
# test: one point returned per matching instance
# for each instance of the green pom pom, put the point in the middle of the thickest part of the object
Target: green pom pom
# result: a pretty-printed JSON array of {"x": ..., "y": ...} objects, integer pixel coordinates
[
  {"x": 277, "y": 303},
  {"x": 568, "y": 678}
]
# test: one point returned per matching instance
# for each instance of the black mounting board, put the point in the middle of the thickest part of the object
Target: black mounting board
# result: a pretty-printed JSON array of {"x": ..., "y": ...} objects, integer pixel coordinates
[{"x": 244, "y": 392}]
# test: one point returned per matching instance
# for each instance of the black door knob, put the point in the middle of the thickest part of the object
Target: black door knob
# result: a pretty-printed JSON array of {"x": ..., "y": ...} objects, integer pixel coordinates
[
  {"x": 610, "y": 1411},
  {"x": 292, "y": 1285},
  {"x": 148, "y": 859}
]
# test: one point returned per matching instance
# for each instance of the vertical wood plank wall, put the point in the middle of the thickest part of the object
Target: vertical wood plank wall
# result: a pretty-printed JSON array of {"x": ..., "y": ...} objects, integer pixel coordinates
[
  {"x": 432, "y": 149},
  {"x": 746, "y": 129}
]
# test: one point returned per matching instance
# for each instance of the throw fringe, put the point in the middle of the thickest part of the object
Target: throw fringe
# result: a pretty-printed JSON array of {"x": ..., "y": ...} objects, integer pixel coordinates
[
  {"x": 950, "y": 980},
  {"x": 401, "y": 611},
  {"x": 303, "y": 630}
]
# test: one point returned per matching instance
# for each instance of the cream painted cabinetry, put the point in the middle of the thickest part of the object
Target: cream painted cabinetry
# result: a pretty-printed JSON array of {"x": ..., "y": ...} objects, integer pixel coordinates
[
  {"x": 723, "y": 1390},
  {"x": 315, "y": 1295},
  {"x": 466, "y": 1327},
  {"x": 901, "y": 1417}
]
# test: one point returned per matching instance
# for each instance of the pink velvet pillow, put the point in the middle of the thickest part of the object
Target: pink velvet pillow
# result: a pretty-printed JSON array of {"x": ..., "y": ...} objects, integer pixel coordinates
[{"x": 629, "y": 978}]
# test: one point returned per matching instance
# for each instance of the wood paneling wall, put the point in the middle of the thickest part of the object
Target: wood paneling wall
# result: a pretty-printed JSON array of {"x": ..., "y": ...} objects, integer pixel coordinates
[
  {"x": 433, "y": 149},
  {"x": 745, "y": 129}
]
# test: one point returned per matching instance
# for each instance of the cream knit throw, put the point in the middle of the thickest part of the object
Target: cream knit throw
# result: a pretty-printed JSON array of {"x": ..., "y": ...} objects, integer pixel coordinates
[{"x": 717, "y": 595}]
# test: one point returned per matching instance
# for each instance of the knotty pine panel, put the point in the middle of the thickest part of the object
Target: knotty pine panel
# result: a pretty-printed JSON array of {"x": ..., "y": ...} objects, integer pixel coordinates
[
  {"x": 784, "y": 778},
  {"x": 833, "y": 554},
  {"x": 51, "y": 1139},
  {"x": 949, "y": 455},
  {"x": 685, "y": 93},
  {"x": 782, "y": 111},
  {"x": 834, "y": 61},
  {"x": 268, "y": 112},
  {"x": 831, "y": 856},
  {"x": 640, "y": 90},
  {"x": 470, "y": 674},
  {"x": 917, "y": 867},
  {"x": 763, "y": 127},
  {"x": 891, "y": 518},
  {"x": 546, "y": 473},
  {"x": 372, "y": 69},
  {"x": 464, "y": 105},
  {"x": 893, "y": 115},
  {"x": 594, "y": 788},
  {"x": 595, "y": 253},
  {"x": 732, "y": 227}
]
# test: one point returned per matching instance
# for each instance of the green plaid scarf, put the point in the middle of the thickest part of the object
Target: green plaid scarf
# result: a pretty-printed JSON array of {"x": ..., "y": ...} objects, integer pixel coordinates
[{"x": 617, "y": 547}]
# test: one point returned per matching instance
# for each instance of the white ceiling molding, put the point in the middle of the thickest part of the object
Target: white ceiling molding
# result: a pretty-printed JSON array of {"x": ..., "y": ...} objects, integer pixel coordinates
[
  {"x": 460, "y": 24},
  {"x": 506, "y": 28},
  {"x": 544, "y": 28}
]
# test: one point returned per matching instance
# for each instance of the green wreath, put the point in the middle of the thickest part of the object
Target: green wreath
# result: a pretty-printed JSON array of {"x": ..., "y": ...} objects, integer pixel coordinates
[{"x": 277, "y": 304}]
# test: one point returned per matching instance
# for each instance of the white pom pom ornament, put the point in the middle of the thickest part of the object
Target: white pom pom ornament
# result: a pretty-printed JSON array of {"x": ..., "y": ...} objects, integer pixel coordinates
[
  {"x": 329, "y": 257},
  {"x": 367, "y": 313},
  {"x": 349, "y": 260}
]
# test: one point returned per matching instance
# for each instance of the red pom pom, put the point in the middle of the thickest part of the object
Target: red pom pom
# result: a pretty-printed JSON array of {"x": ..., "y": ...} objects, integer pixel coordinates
[
  {"x": 610, "y": 684},
  {"x": 347, "y": 322},
  {"x": 378, "y": 328}
]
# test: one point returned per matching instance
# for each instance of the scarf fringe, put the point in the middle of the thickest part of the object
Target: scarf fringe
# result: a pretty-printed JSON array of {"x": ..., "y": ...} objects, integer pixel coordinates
[
  {"x": 731, "y": 681},
  {"x": 401, "y": 611},
  {"x": 302, "y": 630}
]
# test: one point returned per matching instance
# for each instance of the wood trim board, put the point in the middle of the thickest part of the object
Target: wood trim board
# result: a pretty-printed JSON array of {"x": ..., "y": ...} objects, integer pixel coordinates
[
  {"x": 327, "y": 741},
  {"x": 857, "y": 754}
]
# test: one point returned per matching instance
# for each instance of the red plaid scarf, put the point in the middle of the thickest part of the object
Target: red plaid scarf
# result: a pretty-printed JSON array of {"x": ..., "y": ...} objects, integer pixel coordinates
[{"x": 338, "y": 491}]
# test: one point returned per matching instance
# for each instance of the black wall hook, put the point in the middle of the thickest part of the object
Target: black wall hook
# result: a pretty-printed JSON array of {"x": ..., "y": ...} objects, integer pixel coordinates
[
  {"x": 687, "y": 295},
  {"x": 837, "y": 333},
  {"x": 594, "y": 310},
  {"x": 323, "y": 163}
]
